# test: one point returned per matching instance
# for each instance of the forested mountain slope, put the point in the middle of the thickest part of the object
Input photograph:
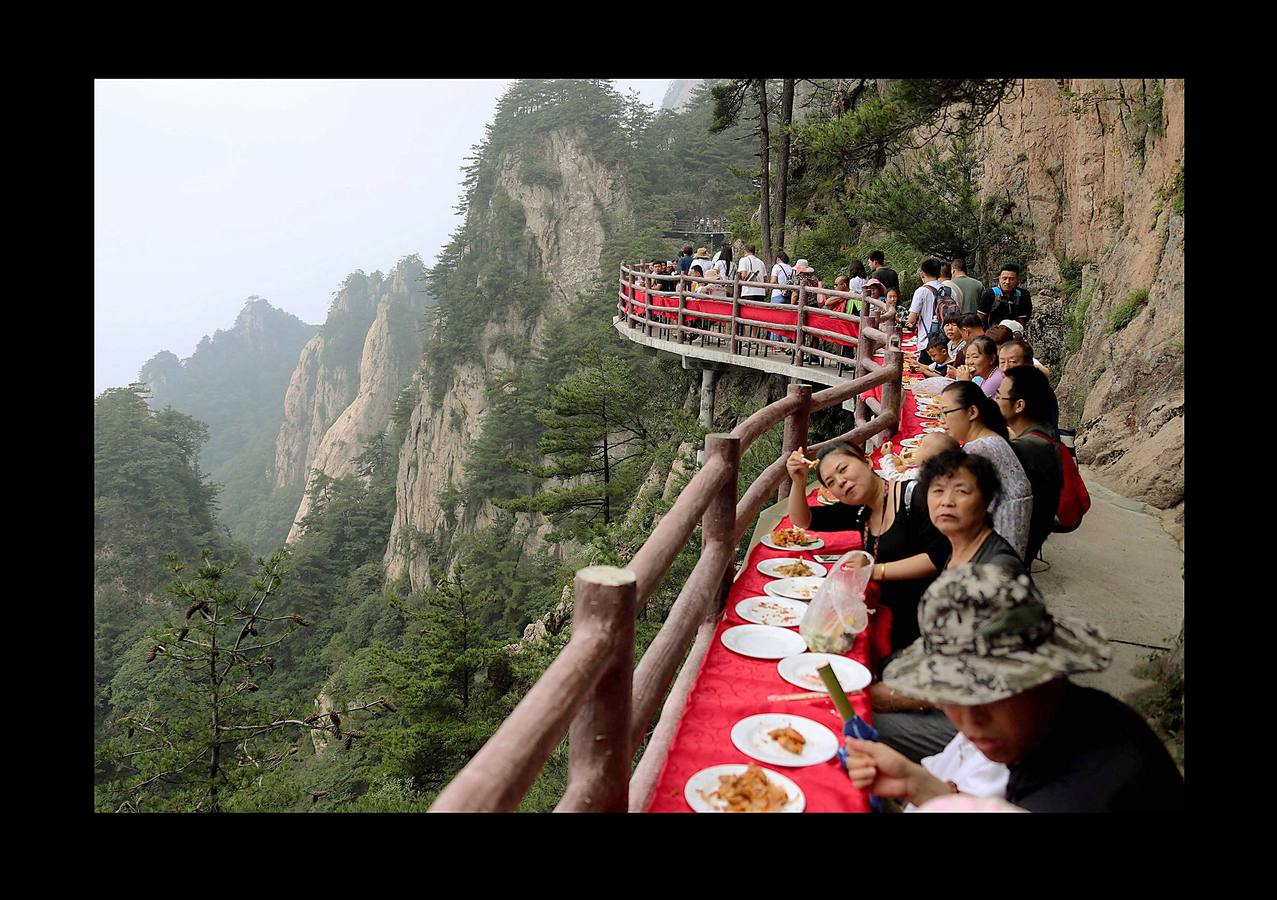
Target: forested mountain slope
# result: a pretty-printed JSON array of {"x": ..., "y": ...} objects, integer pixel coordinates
[{"x": 234, "y": 383}]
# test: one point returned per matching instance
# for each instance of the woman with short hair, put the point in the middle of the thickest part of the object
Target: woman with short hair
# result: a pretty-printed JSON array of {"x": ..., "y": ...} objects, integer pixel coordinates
[
  {"x": 975, "y": 420},
  {"x": 981, "y": 366}
]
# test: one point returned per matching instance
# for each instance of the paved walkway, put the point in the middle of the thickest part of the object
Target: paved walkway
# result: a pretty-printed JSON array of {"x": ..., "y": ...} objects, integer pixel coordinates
[{"x": 1123, "y": 572}]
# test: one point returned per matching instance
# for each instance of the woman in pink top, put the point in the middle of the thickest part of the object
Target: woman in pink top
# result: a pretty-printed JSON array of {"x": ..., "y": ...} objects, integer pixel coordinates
[{"x": 982, "y": 365}]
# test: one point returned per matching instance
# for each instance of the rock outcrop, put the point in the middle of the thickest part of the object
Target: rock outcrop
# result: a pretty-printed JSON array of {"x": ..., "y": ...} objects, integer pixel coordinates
[
  {"x": 1096, "y": 166},
  {"x": 349, "y": 376},
  {"x": 568, "y": 215}
]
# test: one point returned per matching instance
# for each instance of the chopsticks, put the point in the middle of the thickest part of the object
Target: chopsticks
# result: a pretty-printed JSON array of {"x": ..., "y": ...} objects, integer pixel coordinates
[{"x": 809, "y": 695}]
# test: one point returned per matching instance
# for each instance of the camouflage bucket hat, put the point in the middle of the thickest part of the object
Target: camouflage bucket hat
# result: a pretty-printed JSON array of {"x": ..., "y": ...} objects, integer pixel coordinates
[{"x": 986, "y": 636}]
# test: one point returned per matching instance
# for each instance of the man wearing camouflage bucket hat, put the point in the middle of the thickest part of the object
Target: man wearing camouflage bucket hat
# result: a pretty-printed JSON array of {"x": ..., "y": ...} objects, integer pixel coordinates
[{"x": 997, "y": 662}]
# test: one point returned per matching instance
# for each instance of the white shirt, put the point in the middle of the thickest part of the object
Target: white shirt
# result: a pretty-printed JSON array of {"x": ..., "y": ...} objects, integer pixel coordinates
[
  {"x": 962, "y": 763},
  {"x": 782, "y": 273},
  {"x": 857, "y": 285},
  {"x": 752, "y": 269},
  {"x": 725, "y": 269},
  {"x": 924, "y": 304}
]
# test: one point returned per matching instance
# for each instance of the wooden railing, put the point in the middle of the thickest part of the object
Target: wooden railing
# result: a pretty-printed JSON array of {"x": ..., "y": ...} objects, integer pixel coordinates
[{"x": 591, "y": 688}]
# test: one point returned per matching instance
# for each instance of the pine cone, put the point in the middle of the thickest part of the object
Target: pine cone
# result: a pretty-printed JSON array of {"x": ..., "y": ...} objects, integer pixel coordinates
[
  {"x": 349, "y": 738},
  {"x": 196, "y": 607},
  {"x": 253, "y": 632},
  {"x": 389, "y": 705},
  {"x": 181, "y": 635},
  {"x": 249, "y": 686},
  {"x": 296, "y": 617},
  {"x": 356, "y": 733},
  {"x": 336, "y": 719},
  {"x": 150, "y": 656},
  {"x": 310, "y": 718},
  {"x": 130, "y": 731},
  {"x": 292, "y": 750},
  {"x": 316, "y": 795}
]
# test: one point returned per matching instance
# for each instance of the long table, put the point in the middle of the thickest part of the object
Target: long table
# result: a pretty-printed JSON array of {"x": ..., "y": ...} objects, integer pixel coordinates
[
  {"x": 730, "y": 687},
  {"x": 776, "y": 314}
]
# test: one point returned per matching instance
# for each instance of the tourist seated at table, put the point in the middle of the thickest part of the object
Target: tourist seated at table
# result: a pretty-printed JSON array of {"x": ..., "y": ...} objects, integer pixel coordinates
[
  {"x": 981, "y": 366},
  {"x": 971, "y": 326},
  {"x": 891, "y": 518},
  {"x": 961, "y": 489},
  {"x": 975, "y": 421},
  {"x": 837, "y": 304},
  {"x": 697, "y": 274},
  {"x": 932, "y": 444},
  {"x": 1028, "y": 404},
  {"x": 997, "y": 662},
  {"x": 1018, "y": 352},
  {"x": 999, "y": 334}
]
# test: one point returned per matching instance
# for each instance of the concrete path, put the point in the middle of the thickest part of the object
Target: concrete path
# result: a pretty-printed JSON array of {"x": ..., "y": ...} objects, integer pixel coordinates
[{"x": 1123, "y": 572}]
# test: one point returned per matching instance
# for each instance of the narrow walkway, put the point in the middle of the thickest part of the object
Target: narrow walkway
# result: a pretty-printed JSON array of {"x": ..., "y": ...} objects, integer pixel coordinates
[{"x": 1121, "y": 571}]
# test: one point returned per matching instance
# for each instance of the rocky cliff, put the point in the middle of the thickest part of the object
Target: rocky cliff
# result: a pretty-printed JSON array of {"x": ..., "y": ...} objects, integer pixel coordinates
[
  {"x": 1096, "y": 166},
  {"x": 348, "y": 377},
  {"x": 568, "y": 200}
]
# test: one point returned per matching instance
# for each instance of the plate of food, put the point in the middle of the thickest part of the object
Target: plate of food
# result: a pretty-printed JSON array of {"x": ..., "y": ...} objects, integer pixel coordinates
[
  {"x": 791, "y": 538},
  {"x": 737, "y": 787},
  {"x": 911, "y": 442},
  {"x": 763, "y": 641},
  {"x": 791, "y": 567},
  {"x": 794, "y": 588},
  {"x": 784, "y": 740},
  {"x": 800, "y": 671},
  {"x": 825, "y": 498},
  {"x": 779, "y": 611}
]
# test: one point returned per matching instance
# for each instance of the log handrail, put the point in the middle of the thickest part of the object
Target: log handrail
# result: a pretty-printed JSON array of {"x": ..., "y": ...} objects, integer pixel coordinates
[{"x": 592, "y": 687}]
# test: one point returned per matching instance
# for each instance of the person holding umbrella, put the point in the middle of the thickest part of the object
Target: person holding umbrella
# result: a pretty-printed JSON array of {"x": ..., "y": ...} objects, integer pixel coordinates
[{"x": 998, "y": 663}]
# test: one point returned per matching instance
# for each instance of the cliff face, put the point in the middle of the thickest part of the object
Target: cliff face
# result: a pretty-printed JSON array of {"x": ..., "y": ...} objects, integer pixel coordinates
[
  {"x": 348, "y": 377},
  {"x": 567, "y": 203},
  {"x": 1097, "y": 167}
]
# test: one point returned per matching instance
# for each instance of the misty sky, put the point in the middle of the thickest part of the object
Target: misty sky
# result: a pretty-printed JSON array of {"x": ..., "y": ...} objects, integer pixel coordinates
[{"x": 207, "y": 192}]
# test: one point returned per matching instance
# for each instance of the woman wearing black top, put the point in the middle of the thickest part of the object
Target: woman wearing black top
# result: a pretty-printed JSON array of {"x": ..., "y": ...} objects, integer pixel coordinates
[
  {"x": 893, "y": 524},
  {"x": 960, "y": 488}
]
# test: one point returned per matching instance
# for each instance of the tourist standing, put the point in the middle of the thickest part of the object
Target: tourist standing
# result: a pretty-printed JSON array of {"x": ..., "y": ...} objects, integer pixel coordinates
[
  {"x": 1028, "y": 404},
  {"x": 972, "y": 289},
  {"x": 888, "y": 277},
  {"x": 1007, "y": 300}
]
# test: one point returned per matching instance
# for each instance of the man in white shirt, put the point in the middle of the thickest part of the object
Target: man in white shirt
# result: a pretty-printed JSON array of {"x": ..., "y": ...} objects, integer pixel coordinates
[
  {"x": 782, "y": 273},
  {"x": 752, "y": 269},
  {"x": 923, "y": 308}
]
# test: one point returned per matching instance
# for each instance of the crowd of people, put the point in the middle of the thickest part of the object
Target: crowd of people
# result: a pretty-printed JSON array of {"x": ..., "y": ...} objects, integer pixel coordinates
[
  {"x": 974, "y": 697},
  {"x": 703, "y": 223}
]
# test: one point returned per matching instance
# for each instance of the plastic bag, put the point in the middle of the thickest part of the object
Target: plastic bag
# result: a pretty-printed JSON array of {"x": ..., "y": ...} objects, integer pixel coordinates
[{"x": 838, "y": 613}]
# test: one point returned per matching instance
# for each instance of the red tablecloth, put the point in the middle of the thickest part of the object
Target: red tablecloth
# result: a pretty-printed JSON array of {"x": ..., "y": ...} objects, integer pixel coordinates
[
  {"x": 781, "y": 314},
  {"x": 730, "y": 687}
]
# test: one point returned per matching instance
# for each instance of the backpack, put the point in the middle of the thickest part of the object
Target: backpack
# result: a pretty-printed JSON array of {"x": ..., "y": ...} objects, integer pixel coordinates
[
  {"x": 1075, "y": 500},
  {"x": 946, "y": 305}
]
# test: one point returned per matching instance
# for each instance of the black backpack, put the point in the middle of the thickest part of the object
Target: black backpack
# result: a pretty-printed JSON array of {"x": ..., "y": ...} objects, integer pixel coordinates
[{"x": 946, "y": 305}]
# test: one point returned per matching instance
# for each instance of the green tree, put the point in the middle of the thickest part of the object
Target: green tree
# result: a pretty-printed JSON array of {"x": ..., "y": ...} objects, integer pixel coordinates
[
  {"x": 198, "y": 736},
  {"x": 937, "y": 207}
]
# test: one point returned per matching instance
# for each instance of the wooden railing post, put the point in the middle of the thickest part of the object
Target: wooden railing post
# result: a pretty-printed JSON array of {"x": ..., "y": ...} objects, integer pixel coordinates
[
  {"x": 682, "y": 304},
  {"x": 599, "y": 742},
  {"x": 892, "y": 391},
  {"x": 734, "y": 344},
  {"x": 795, "y": 430},
  {"x": 718, "y": 525},
  {"x": 802, "y": 321}
]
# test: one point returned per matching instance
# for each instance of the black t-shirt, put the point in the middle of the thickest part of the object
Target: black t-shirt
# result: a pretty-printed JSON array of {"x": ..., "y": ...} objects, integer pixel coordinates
[
  {"x": 1041, "y": 461},
  {"x": 910, "y": 533},
  {"x": 1100, "y": 756},
  {"x": 888, "y": 277},
  {"x": 998, "y": 308}
]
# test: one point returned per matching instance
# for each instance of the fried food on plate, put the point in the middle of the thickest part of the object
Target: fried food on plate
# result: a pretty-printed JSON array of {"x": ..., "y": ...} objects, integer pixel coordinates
[
  {"x": 791, "y": 537},
  {"x": 795, "y": 570},
  {"x": 788, "y": 738},
  {"x": 750, "y": 791}
]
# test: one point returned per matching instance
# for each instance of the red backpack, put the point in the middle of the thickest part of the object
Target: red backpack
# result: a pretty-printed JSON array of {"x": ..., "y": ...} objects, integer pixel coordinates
[{"x": 1074, "y": 498}]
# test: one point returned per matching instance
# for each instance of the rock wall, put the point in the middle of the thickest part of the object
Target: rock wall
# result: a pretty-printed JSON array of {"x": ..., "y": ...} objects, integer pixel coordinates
[
  {"x": 567, "y": 220},
  {"x": 391, "y": 353},
  {"x": 1097, "y": 169}
]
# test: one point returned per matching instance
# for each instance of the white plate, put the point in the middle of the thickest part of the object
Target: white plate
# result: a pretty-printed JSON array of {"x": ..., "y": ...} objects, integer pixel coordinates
[
  {"x": 794, "y": 588},
  {"x": 705, "y": 782},
  {"x": 763, "y": 641},
  {"x": 934, "y": 431},
  {"x": 911, "y": 442},
  {"x": 750, "y": 737},
  {"x": 800, "y": 671},
  {"x": 779, "y": 611},
  {"x": 769, "y": 566},
  {"x": 816, "y": 543}
]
